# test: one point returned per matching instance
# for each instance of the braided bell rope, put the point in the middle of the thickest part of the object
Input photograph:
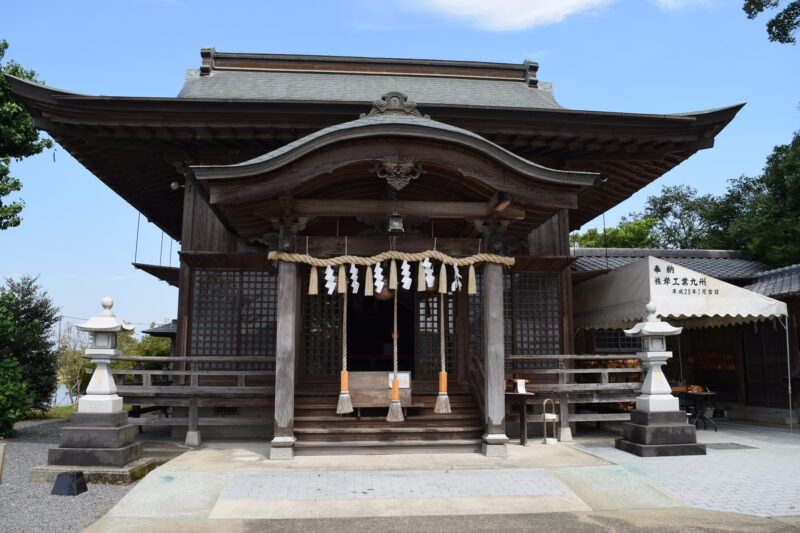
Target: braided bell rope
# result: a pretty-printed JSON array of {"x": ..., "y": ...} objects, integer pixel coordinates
[
  {"x": 394, "y": 339},
  {"x": 392, "y": 254},
  {"x": 441, "y": 332},
  {"x": 344, "y": 332}
]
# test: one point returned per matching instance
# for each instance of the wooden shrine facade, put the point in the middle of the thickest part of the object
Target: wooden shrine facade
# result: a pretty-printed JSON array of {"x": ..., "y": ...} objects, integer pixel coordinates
[{"x": 475, "y": 158}]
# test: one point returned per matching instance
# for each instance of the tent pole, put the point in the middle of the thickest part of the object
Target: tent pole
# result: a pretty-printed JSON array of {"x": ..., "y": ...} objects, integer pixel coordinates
[{"x": 785, "y": 324}]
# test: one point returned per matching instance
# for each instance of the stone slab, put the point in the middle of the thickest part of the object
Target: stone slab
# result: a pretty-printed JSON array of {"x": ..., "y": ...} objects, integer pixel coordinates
[
  {"x": 660, "y": 450},
  {"x": 663, "y": 417},
  {"x": 102, "y": 420},
  {"x": 172, "y": 495},
  {"x": 450, "y": 507},
  {"x": 98, "y": 437},
  {"x": 281, "y": 453},
  {"x": 97, "y": 474},
  {"x": 659, "y": 434},
  {"x": 494, "y": 450},
  {"x": 613, "y": 487},
  {"x": 95, "y": 456}
]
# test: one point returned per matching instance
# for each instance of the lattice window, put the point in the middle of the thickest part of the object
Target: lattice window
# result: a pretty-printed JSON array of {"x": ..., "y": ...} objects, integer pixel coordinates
[
  {"x": 475, "y": 338},
  {"x": 533, "y": 315},
  {"x": 322, "y": 335},
  {"x": 428, "y": 339},
  {"x": 234, "y": 313},
  {"x": 215, "y": 317},
  {"x": 614, "y": 340},
  {"x": 258, "y": 314}
]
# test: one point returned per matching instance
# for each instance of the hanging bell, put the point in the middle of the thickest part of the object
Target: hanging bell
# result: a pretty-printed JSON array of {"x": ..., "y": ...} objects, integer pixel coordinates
[{"x": 395, "y": 224}]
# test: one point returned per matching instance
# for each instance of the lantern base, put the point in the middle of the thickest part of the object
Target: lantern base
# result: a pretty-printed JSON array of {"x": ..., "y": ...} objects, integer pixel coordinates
[
  {"x": 657, "y": 403},
  {"x": 100, "y": 403},
  {"x": 659, "y": 434}
]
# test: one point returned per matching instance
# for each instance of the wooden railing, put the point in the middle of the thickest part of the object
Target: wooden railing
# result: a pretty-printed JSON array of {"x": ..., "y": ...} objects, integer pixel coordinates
[
  {"x": 193, "y": 382},
  {"x": 597, "y": 384}
]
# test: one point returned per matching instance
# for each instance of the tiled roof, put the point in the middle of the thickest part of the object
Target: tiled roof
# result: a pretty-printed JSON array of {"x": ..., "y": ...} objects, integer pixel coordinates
[
  {"x": 721, "y": 264},
  {"x": 365, "y": 88},
  {"x": 778, "y": 282}
]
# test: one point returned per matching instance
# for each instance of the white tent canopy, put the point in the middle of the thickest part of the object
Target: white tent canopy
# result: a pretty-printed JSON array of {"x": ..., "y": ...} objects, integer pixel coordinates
[{"x": 681, "y": 296}]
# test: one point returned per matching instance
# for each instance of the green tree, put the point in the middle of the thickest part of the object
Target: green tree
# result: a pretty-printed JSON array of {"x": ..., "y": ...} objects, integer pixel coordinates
[
  {"x": 32, "y": 314},
  {"x": 761, "y": 215},
  {"x": 15, "y": 400},
  {"x": 680, "y": 215},
  {"x": 636, "y": 233},
  {"x": 18, "y": 138},
  {"x": 781, "y": 27}
]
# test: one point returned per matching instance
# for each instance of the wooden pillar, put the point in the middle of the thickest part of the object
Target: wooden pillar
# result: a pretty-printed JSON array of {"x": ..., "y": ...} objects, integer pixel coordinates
[
  {"x": 568, "y": 347},
  {"x": 285, "y": 348},
  {"x": 495, "y": 439}
]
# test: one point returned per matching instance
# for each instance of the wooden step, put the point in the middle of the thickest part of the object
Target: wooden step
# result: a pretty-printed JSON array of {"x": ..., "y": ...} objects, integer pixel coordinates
[
  {"x": 395, "y": 434},
  {"x": 376, "y": 447}
]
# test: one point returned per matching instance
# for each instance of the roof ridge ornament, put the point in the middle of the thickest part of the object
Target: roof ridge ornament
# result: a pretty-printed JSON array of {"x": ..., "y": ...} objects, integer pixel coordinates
[{"x": 394, "y": 103}]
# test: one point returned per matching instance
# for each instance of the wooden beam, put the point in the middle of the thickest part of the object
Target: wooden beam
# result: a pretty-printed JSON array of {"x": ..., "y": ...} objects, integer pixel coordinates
[{"x": 352, "y": 208}]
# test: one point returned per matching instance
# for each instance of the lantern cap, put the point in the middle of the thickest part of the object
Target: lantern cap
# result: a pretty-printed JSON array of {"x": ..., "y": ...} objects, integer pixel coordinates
[
  {"x": 105, "y": 320},
  {"x": 652, "y": 326}
]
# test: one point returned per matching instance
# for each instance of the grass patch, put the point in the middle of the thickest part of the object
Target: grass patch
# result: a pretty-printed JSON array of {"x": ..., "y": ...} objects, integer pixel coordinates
[{"x": 55, "y": 412}]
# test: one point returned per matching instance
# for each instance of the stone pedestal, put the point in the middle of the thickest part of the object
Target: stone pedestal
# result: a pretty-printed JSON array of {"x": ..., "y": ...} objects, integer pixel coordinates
[
  {"x": 659, "y": 434},
  {"x": 102, "y": 441}
]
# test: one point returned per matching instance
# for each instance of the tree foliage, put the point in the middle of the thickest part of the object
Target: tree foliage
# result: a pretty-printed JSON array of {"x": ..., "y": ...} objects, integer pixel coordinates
[
  {"x": 18, "y": 138},
  {"x": 31, "y": 314},
  {"x": 680, "y": 216},
  {"x": 637, "y": 233},
  {"x": 759, "y": 215},
  {"x": 15, "y": 400},
  {"x": 782, "y": 27}
]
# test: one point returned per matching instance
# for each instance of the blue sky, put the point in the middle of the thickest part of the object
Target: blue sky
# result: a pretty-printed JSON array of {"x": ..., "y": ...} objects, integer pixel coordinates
[{"x": 649, "y": 56}]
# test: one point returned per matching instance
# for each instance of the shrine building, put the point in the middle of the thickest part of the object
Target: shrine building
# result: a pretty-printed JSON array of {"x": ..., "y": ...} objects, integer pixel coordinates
[{"x": 370, "y": 248}]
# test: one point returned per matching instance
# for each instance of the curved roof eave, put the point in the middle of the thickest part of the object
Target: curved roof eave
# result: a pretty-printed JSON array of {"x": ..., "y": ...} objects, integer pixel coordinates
[
  {"x": 51, "y": 95},
  {"x": 391, "y": 125}
]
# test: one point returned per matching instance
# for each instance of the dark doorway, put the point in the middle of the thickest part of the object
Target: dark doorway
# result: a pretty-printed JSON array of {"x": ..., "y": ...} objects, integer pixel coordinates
[{"x": 369, "y": 332}]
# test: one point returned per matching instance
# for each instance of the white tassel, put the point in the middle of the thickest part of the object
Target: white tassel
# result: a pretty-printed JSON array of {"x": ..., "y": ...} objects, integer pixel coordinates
[
  {"x": 330, "y": 279},
  {"x": 379, "y": 283},
  {"x": 405, "y": 272},
  {"x": 456, "y": 285},
  {"x": 354, "y": 278},
  {"x": 429, "y": 276}
]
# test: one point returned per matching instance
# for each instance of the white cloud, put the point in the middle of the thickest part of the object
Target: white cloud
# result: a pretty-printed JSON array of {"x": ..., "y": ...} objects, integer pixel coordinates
[
  {"x": 674, "y": 5},
  {"x": 510, "y": 15}
]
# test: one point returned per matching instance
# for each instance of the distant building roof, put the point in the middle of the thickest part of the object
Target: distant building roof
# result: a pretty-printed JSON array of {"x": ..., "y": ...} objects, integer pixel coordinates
[
  {"x": 721, "y": 264},
  {"x": 783, "y": 281},
  {"x": 361, "y": 80},
  {"x": 170, "y": 329}
]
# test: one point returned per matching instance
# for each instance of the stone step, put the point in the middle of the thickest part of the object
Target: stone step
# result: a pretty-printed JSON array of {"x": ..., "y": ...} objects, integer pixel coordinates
[
  {"x": 373, "y": 447},
  {"x": 95, "y": 456},
  {"x": 660, "y": 450},
  {"x": 98, "y": 437}
]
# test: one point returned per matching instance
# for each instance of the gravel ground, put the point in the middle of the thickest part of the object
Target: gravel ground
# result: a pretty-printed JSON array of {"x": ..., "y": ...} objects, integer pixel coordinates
[{"x": 28, "y": 507}]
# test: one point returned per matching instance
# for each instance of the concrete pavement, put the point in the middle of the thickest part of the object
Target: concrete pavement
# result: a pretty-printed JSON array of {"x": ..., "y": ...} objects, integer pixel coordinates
[{"x": 584, "y": 486}]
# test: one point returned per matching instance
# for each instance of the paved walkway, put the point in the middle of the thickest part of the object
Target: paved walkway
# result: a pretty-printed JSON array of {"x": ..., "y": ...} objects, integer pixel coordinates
[
  {"x": 753, "y": 471},
  {"x": 761, "y": 479}
]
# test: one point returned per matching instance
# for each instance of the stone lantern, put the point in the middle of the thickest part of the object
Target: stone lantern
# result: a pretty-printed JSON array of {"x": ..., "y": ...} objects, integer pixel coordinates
[
  {"x": 101, "y": 393},
  {"x": 99, "y": 441},
  {"x": 658, "y": 427}
]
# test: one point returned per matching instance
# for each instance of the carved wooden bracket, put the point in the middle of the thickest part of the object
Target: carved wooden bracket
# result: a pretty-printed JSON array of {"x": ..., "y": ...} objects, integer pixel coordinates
[{"x": 398, "y": 173}]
